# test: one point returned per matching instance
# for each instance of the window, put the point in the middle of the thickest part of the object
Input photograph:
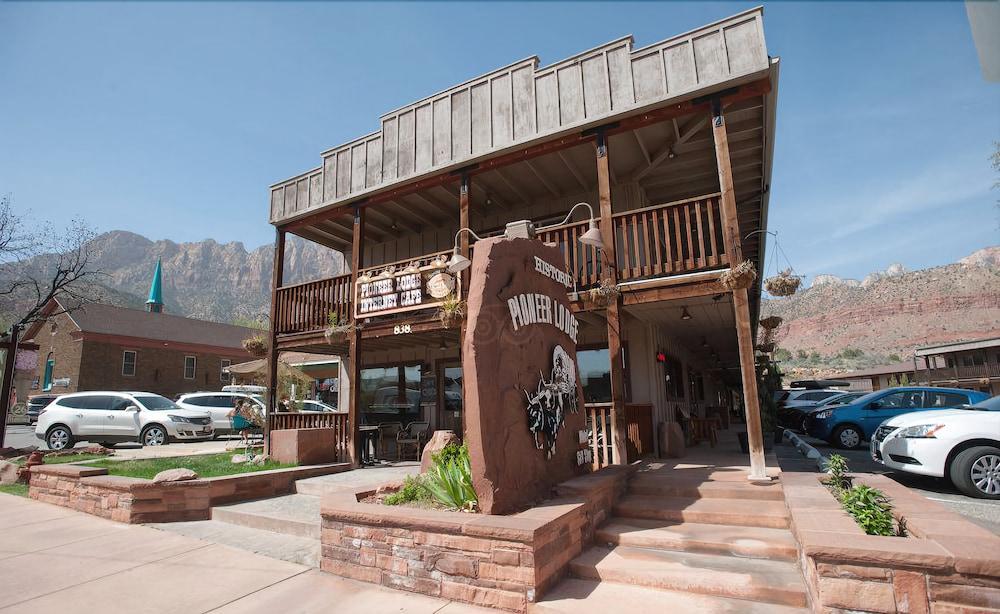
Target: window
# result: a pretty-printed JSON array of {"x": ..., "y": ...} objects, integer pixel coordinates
[
  {"x": 904, "y": 399},
  {"x": 190, "y": 364},
  {"x": 595, "y": 375},
  {"x": 945, "y": 399},
  {"x": 128, "y": 363},
  {"x": 392, "y": 394},
  {"x": 50, "y": 364},
  {"x": 816, "y": 396},
  {"x": 224, "y": 369}
]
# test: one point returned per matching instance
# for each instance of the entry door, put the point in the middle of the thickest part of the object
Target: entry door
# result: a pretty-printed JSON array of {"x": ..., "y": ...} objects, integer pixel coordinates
[{"x": 450, "y": 404}]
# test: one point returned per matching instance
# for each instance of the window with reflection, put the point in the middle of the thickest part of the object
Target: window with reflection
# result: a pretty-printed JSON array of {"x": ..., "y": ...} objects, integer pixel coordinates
[
  {"x": 391, "y": 394},
  {"x": 595, "y": 375}
]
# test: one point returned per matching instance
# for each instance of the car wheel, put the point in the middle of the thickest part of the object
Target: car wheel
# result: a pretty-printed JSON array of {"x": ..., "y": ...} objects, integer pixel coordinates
[
  {"x": 976, "y": 472},
  {"x": 153, "y": 435},
  {"x": 847, "y": 437},
  {"x": 59, "y": 438}
]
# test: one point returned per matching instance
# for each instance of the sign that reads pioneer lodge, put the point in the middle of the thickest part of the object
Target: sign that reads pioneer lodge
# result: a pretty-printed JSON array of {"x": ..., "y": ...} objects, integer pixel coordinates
[
  {"x": 400, "y": 291},
  {"x": 523, "y": 399}
]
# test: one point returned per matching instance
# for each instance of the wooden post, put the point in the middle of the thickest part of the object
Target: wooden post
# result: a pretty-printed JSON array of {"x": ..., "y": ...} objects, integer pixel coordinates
[
  {"x": 277, "y": 279},
  {"x": 8, "y": 380},
  {"x": 741, "y": 302},
  {"x": 354, "y": 348},
  {"x": 609, "y": 266},
  {"x": 463, "y": 247}
]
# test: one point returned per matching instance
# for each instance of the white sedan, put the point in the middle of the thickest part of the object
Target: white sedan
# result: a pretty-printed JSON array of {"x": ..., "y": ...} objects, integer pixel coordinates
[{"x": 961, "y": 444}]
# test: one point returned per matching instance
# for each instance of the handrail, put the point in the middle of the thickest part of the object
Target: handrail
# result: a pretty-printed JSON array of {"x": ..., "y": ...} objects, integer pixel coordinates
[
  {"x": 314, "y": 281},
  {"x": 672, "y": 203}
]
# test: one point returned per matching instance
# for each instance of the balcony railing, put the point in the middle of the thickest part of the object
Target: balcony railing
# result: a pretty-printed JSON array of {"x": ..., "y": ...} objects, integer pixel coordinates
[
  {"x": 667, "y": 239},
  {"x": 961, "y": 372}
]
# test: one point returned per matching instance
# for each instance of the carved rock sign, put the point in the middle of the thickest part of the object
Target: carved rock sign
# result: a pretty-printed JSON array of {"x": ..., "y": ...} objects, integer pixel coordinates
[{"x": 523, "y": 401}]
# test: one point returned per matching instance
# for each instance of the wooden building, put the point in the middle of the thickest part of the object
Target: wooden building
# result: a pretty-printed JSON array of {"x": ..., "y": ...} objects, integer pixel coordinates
[
  {"x": 671, "y": 144},
  {"x": 968, "y": 364}
]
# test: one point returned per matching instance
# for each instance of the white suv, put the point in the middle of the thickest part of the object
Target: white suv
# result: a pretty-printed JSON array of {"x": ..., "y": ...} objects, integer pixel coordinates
[
  {"x": 962, "y": 444},
  {"x": 218, "y": 404},
  {"x": 113, "y": 417}
]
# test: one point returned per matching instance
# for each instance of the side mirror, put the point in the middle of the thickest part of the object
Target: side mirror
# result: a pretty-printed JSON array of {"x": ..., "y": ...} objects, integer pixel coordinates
[
  {"x": 875, "y": 405},
  {"x": 134, "y": 408}
]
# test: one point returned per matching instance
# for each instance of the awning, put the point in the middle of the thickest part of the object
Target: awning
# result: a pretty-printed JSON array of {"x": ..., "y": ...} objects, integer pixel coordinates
[{"x": 259, "y": 367}]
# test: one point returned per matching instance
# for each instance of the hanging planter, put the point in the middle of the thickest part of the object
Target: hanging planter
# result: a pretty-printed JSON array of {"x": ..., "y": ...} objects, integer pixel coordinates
[
  {"x": 256, "y": 346},
  {"x": 337, "y": 331},
  {"x": 783, "y": 284},
  {"x": 604, "y": 294},
  {"x": 740, "y": 276},
  {"x": 770, "y": 322},
  {"x": 766, "y": 348},
  {"x": 452, "y": 311}
]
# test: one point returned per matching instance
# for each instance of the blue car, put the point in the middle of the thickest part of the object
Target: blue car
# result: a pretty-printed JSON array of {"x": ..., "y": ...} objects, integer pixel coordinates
[{"x": 847, "y": 426}]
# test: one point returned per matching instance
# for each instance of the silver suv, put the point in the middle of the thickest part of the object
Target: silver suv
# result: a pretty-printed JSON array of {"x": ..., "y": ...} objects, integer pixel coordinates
[
  {"x": 218, "y": 405},
  {"x": 108, "y": 418}
]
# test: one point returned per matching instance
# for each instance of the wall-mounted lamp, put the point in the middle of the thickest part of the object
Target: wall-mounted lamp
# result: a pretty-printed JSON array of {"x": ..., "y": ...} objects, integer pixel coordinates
[
  {"x": 458, "y": 262},
  {"x": 684, "y": 314},
  {"x": 593, "y": 236}
]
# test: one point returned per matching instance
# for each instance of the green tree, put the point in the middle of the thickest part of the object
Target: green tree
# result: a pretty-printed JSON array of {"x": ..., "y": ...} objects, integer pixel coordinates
[
  {"x": 782, "y": 354},
  {"x": 895, "y": 358}
]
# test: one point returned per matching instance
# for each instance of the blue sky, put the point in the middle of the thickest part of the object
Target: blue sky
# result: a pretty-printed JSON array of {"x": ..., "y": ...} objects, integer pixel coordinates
[{"x": 171, "y": 119}]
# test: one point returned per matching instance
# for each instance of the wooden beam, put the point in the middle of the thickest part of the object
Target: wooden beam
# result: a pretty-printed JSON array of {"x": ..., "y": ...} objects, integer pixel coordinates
[
  {"x": 434, "y": 203},
  {"x": 669, "y": 293},
  {"x": 513, "y": 188},
  {"x": 277, "y": 279},
  {"x": 573, "y": 170},
  {"x": 541, "y": 178},
  {"x": 610, "y": 273},
  {"x": 690, "y": 130},
  {"x": 463, "y": 248},
  {"x": 741, "y": 304},
  {"x": 642, "y": 146},
  {"x": 354, "y": 343}
]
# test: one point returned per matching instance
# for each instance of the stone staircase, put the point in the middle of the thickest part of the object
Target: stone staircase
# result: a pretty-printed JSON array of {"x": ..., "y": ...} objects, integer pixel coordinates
[{"x": 708, "y": 543}]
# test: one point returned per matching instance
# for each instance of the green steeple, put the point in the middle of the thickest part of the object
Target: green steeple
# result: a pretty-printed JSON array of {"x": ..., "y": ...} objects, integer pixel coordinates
[{"x": 154, "y": 304}]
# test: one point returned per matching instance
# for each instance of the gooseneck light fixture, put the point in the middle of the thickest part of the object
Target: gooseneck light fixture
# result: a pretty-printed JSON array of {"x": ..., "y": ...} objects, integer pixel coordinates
[
  {"x": 593, "y": 236},
  {"x": 458, "y": 262}
]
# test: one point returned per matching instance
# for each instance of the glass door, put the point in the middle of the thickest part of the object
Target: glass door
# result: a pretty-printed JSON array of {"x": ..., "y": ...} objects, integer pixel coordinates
[{"x": 450, "y": 413}]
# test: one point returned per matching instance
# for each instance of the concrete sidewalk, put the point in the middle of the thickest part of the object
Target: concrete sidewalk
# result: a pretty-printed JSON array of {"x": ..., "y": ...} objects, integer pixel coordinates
[{"x": 53, "y": 559}]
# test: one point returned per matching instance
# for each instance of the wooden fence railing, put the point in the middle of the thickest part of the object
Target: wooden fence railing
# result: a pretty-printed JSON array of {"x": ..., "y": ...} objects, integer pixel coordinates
[
  {"x": 601, "y": 434},
  {"x": 638, "y": 431},
  {"x": 670, "y": 239},
  {"x": 307, "y": 306},
  {"x": 940, "y": 374},
  {"x": 582, "y": 261},
  {"x": 317, "y": 420}
]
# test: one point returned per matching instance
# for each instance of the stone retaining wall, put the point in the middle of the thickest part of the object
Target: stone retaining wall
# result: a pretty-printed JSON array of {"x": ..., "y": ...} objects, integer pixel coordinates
[
  {"x": 134, "y": 500},
  {"x": 496, "y": 561},
  {"x": 948, "y": 564}
]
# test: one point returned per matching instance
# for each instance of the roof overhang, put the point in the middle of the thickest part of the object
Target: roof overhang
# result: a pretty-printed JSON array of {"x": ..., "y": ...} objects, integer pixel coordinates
[{"x": 963, "y": 346}]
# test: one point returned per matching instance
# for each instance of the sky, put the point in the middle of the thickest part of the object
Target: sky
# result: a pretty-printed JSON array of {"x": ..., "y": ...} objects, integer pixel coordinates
[{"x": 172, "y": 119}]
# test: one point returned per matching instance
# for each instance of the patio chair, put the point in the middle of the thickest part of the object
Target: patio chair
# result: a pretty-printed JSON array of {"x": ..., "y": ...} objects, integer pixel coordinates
[
  {"x": 387, "y": 432},
  {"x": 415, "y": 434}
]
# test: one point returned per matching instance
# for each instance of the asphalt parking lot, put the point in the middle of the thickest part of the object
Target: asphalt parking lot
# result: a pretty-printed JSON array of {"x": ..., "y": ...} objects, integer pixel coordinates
[{"x": 981, "y": 511}]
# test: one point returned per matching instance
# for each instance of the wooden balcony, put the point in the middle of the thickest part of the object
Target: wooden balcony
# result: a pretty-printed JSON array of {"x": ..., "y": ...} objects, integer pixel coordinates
[
  {"x": 657, "y": 241},
  {"x": 962, "y": 372}
]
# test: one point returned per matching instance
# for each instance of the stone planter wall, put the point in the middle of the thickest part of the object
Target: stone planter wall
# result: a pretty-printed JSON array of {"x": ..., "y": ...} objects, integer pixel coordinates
[
  {"x": 496, "y": 561},
  {"x": 135, "y": 500},
  {"x": 948, "y": 564}
]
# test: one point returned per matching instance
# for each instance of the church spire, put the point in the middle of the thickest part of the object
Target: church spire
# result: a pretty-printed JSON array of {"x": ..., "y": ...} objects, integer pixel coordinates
[{"x": 154, "y": 304}]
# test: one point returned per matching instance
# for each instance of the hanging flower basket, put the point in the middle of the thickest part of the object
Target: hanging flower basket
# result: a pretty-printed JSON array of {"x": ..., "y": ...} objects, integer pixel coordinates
[
  {"x": 783, "y": 284},
  {"x": 338, "y": 332},
  {"x": 605, "y": 294},
  {"x": 257, "y": 346},
  {"x": 767, "y": 348},
  {"x": 451, "y": 312},
  {"x": 740, "y": 276},
  {"x": 770, "y": 322}
]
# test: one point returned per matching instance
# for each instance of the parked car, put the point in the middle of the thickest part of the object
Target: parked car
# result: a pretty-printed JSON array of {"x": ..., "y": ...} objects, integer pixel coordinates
[
  {"x": 839, "y": 399},
  {"x": 847, "y": 426},
  {"x": 961, "y": 444},
  {"x": 308, "y": 405},
  {"x": 793, "y": 404},
  {"x": 113, "y": 417},
  {"x": 37, "y": 404},
  {"x": 218, "y": 405}
]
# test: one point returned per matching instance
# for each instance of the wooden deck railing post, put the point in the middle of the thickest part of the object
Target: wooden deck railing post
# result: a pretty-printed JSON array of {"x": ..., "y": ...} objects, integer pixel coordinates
[
  {"x": 741, "y": 302},
  {"x": 463, "y": 248},
  {"x": 354, "y": 348},
  {"x": 609, "y": 262},
  {"x": 277, "y": 278}
]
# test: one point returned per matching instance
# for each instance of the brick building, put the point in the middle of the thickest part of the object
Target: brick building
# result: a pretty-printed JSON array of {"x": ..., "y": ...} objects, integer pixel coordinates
[{"x": 103, "y": 347}]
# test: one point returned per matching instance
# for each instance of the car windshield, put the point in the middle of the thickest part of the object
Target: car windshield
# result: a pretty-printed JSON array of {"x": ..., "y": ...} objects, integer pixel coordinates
[
  {"x": 987, "y": 405},
  {"x": 155, "y": 402}
]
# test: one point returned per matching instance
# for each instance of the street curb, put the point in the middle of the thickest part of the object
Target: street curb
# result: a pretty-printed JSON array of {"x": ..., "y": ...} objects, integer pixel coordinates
[{"x": 807, "y": 450}]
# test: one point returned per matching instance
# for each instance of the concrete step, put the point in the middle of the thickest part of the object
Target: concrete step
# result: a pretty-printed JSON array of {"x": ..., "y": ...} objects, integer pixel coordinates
[
  {"x": 700, "y": 489},
  {"x": 777, "y": 582},
  {"x": 770, "y": 514},
  {"x": 747, "y": 542},
  {"x": 576, "y": 596},
  {"x": 301, "y": 550},
  {"x": 296, "y": 515},
  {"x": 358, "y": 479}
]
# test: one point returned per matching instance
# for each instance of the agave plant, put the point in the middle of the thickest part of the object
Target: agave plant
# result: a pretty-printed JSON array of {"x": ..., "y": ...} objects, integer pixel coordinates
[{"x": 450, "y": 483}]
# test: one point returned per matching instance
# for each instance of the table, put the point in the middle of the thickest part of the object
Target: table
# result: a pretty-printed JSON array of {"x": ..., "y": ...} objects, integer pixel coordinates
[{"x": 367, "y": 437}]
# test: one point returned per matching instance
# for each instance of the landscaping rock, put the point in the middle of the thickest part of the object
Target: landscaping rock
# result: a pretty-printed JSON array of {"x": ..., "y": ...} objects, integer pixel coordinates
[
  {"x": 439, "y": 441},
  {"x": 239, "y": 458},
  {"x": 175, "y": 475},
  {"x": 388, "y": 488},
  {"x": 671, "y": 440},
  {"x": 8, "y": 473}
]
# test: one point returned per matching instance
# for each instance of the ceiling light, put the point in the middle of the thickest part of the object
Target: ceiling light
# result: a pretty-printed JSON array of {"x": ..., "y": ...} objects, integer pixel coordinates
[
  {"x": 704, "y": 342},
  {"x": 684, "y": 314},
  {"x": 671, "y": 154}
]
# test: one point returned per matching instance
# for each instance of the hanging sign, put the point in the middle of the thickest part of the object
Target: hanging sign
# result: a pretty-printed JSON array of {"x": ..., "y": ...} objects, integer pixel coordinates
[{"x": 396, "y": 291}]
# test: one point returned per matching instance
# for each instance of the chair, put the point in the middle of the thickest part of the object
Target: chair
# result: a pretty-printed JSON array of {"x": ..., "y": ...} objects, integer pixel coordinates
[
  {"x": 387, "y": 432},
  {"x": 415, "y": 434}
]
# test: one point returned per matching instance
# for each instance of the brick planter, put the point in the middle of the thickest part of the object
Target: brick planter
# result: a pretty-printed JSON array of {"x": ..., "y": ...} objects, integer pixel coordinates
[
  {"x": 496, "y": 561},
  {"x": 948, "y": 564},
  {"x": 135, "y": 500}
]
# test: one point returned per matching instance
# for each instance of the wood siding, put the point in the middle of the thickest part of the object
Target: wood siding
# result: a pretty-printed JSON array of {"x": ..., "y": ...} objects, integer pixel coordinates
[{"x": 522, "y": 103}]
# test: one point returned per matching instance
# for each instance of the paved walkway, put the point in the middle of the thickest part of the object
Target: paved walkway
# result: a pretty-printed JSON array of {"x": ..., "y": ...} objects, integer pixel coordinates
[{"x": 53, "y": 559}]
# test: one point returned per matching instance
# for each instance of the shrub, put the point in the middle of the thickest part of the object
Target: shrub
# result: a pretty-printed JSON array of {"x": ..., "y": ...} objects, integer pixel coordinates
[
  {"x": 837, "y": 468},
  {"x": 413, "y": 489},
  {"x": 870, "y": 509},
  {"x": 450, "y": 480}
]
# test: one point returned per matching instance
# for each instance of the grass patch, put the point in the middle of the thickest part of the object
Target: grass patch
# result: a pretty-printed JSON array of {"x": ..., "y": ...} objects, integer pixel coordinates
[
  {"x": 206, "y": 466},
  {"x": 19, "y": 490},
  {"x": 72, "y": 458}
]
